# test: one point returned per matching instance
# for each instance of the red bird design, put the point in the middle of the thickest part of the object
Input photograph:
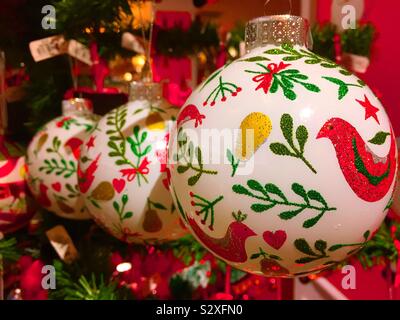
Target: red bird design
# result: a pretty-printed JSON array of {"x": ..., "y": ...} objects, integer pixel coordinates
[
  {"x": 43, "y": 198},
  {"x": 75, "y": 145},
  {"x": 231, "y": 247},
  {"x": 368, "y": 175},
  {"x": 188, "y": 113},
  {"x": 85, "y": 179}
]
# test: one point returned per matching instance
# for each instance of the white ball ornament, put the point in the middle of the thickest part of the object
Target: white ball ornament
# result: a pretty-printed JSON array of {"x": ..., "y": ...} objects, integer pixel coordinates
[
  {"x": 16, "y": 204},
  {"x": 306, "y": 168},
  {"x": 123, "y": 175},
  {"x": 53, "y": 160}
]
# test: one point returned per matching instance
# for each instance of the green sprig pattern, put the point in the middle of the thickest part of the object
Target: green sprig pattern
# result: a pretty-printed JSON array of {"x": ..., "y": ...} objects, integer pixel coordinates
[{"x": 272, "y": 196}]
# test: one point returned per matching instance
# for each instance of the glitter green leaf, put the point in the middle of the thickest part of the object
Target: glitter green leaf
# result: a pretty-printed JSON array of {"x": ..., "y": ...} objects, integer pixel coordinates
[
  {"x": 292, "y": 150},
  {"x": 379, "y": 138},
  {"x": 343, "y": 86},
  {"x": 358, "y": 245},
  {"x": 272, "y": 196},
  {"x": 262, "y": 253},
  {"x": 205, "y": 208},
  {"x": 303, "y": 246},
  {"x": 185, "y": 159},
  {"x": 292, "y": 54},
  {"x": 233, "y": 161},
  {"x": 255, "y": 59}
]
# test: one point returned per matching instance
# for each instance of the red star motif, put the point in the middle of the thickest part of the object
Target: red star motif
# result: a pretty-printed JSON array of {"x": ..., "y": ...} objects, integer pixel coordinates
[
  {"x": 90, "y": 143},
  {"x": 370, "y": 110}
]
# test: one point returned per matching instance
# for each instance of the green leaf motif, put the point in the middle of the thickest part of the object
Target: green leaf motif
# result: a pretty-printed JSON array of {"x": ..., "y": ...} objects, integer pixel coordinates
[
  {"x": 287, "y": 215},
  {"x": 237, "y": 188},
  {"x": 292, "y": 150},
  {"x": 291, "y": 54},
  {"x": 257, "y": 207},
  {"x": 255, "y": 59},
  {"x": 302, "y": 136},
  {"x": 280, "y": 149},
  {"x": 233, "y": 161},
  {"x": 302, "y": 246},
  {"x": 270, "y": 196},
  {"x": 184, "y": 158},
  {"x": 255, "y": 185},
  {"x": 379, "y": 138}
]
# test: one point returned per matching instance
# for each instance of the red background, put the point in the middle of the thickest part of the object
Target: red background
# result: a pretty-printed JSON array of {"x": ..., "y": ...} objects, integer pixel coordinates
[{"x": 384, "y": 71}]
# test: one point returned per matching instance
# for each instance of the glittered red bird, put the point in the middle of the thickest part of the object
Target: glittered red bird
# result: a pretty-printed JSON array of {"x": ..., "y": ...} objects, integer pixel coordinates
[
  {"x": 188, "y": 113},
  {"x": 231, "y": 247},
  {"x": 86, "y": 178},
  {"x": 368, "y": 175}
]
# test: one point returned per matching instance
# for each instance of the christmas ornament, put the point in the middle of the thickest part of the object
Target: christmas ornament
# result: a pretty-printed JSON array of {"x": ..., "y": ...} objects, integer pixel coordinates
[
  {"x": 53, "y": 159},
  {"x": 282, "y": 163},
  {"x": 123, "y": 175},
  {"x": 396, "y": 196},
  {"x": 16, "y": 205}
]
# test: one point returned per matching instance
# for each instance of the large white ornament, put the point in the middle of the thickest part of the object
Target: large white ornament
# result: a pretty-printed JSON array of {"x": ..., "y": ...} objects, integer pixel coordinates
[
  {"x": 53, "y": 160},
  {"x": 282, "y": 162},
  {"x": 123, "y": 174}
]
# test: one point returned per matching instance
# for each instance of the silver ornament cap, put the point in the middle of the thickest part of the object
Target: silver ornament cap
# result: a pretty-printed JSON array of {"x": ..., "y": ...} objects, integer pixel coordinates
[
  {"x": 277, "y": 30},
  {"x": 76, "y": 105},
  {"x": 145, "y": 90}
]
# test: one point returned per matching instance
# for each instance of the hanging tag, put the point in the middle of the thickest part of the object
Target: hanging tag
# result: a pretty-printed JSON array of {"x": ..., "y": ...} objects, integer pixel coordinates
[
  {"x": 48, "y": 47},
  {"x": 62, "y": 243},
  {"x": 79, "y": 52}
]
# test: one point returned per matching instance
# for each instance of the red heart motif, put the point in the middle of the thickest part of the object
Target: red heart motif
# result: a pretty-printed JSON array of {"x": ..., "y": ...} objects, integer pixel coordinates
[
  {"x": 56, "y": 186},
  {"x": 275, "y": 239},
  {"x": 119, "y": 185}
]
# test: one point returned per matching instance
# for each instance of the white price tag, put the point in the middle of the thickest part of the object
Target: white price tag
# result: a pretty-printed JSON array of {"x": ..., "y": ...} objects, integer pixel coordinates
[
  {"x": 79, "y": 51},
  {"x": 48, "y": 47}
]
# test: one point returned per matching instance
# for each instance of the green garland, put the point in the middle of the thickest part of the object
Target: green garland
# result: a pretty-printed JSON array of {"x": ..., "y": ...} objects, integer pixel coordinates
[
  {"x": 381, "y": 249},
  {"x": 358, "y": 41},
  {"x": 323, "y": 40}
]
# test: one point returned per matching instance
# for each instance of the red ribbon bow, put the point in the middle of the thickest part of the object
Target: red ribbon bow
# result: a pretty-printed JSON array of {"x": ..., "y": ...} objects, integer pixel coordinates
[
  {"x": 266, "y": 78},
  {"x": 131, "y": 173}
]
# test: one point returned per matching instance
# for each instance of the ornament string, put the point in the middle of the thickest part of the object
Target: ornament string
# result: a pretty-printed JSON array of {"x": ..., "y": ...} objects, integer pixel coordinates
[
  {"x": 148, "y": 72},
  {"x": 268, "y": 1}
]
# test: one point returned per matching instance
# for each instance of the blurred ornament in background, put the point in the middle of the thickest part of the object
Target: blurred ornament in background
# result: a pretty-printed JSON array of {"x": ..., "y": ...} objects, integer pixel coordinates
[
  {"x": 312, "y": 167},
  {"x": 16, "y": 206},
  {"x": 123, "y": 175},
  {"x": 53, "y": 159}
]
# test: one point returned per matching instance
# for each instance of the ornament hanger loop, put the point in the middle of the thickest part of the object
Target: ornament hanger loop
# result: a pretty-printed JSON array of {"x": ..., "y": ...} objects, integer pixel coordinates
[{"x": 268, "y": 1}]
